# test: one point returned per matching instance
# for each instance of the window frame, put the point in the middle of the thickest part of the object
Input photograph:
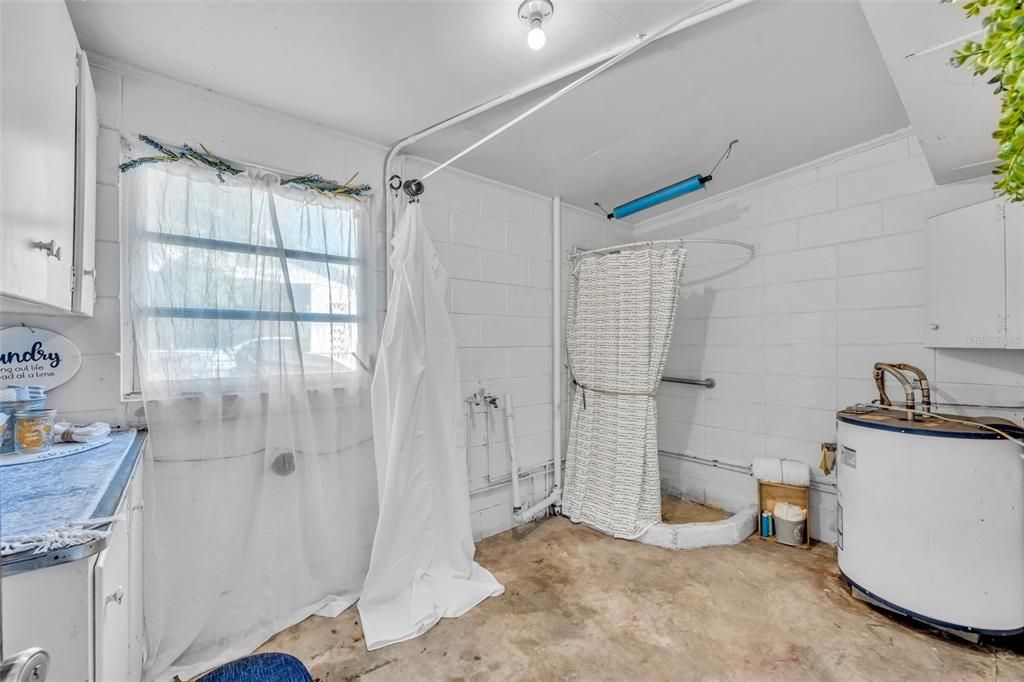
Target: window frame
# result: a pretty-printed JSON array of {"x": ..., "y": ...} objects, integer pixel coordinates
[{"x": 131, "y": 389}]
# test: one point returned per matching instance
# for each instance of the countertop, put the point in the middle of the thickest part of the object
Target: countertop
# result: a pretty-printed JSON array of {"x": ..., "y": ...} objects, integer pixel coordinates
[{"x": 39, "y": 497}]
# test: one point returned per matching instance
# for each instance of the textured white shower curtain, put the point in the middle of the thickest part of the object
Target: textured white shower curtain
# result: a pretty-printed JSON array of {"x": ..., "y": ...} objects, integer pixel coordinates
[
  {"x": 422, "y": 567},
  {"x": 620, "y": 316},
  {"x": 259, "y": 466}
]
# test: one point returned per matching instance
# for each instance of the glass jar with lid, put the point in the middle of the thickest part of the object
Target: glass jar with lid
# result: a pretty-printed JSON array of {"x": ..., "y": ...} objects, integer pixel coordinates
[{"x": 33, "y": 430}]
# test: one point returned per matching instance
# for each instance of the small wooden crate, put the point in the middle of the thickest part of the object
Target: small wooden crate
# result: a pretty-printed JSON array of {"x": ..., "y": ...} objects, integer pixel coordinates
[{"x": 768, "y": 494}]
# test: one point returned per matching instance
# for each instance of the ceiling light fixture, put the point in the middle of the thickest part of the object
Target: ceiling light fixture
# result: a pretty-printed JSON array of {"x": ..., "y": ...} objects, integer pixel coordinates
[{"x": 533, "y": 13}]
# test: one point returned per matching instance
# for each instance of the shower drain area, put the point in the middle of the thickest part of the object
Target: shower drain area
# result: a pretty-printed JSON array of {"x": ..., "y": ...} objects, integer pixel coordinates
[{"x": 692, "y": 525}]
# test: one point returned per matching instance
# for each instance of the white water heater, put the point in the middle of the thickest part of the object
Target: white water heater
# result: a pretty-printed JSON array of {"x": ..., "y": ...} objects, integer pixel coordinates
[{"x": 931, "y": 519}]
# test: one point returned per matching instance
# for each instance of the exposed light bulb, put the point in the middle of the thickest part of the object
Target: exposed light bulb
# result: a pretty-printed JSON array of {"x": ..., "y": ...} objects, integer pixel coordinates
[{"x": 536, "y": 38}]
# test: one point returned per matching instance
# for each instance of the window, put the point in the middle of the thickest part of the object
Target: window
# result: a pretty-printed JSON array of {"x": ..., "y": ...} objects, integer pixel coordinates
[{"x": 238, "y": 280}]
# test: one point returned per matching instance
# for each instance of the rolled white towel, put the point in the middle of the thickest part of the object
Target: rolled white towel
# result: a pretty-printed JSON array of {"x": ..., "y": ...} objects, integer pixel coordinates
[
  {"x": 796, "y": 473},
  {"x": 68, "y": 433},
  {"x": 767, "y": 469}
]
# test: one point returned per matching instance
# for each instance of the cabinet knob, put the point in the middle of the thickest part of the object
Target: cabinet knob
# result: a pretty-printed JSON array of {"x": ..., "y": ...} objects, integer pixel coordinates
[
  {"x": 933, "y": 326},
  {"x": 116, "y": 596},
  {"x": 30, "y": 665},
  {"x": 49, "y": 247}
]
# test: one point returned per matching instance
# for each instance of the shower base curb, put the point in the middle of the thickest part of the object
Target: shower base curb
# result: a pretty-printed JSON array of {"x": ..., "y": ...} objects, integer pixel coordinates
[{"x": 730, "y": 531}]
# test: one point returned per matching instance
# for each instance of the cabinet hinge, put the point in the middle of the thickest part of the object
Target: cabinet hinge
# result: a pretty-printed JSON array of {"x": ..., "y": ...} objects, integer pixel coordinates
[
  {"x": 78, "y": 68},
  {"x": 73, "y": 279}
]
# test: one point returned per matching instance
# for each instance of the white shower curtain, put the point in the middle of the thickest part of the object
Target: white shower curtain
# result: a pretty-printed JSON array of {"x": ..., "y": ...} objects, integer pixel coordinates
[
  {"x": 422, "y": 567},
  {"x": 251, "y": 310},
  {"x": 620, "y": 317}
]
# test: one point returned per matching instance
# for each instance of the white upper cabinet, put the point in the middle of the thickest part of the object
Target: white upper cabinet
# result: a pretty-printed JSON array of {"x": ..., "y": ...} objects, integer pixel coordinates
[
  {"x": 48, "y": 129},
  {"x": 975, "y": 277},
  {"x": 1014, "y": 223},
  {"x": 83, "y": 295}
]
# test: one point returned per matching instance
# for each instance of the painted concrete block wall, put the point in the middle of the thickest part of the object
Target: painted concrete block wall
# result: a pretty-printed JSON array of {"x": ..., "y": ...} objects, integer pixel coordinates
[
  {"x": 495, "y": 243},
  {"x": 791, "y": 336}
]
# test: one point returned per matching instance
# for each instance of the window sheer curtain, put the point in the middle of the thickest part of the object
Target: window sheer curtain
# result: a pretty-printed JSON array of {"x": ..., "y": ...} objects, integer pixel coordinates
[{"x": 252, "y": 321}]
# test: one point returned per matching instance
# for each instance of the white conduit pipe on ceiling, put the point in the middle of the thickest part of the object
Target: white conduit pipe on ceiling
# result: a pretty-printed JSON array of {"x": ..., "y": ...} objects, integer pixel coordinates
[
  {"x": 597, "y": 64},
  {"x": 602, "y": 61}
]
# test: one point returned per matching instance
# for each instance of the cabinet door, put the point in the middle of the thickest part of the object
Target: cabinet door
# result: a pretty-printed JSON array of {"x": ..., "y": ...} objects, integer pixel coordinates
[
  {"x": 51, "y": 608},
  {"x": 135, "y": 558},
  {"x": 112, "y": 607},
  {"x": 1014, "y": 275},
  {"x": 966, "y": 281},
  {"x": 37, "y": 133},
  {"x": 86, "y": 141}
]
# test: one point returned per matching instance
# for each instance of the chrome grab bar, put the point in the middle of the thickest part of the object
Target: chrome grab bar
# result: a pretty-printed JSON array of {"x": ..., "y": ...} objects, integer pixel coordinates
[{"x": 706, "y": 383}]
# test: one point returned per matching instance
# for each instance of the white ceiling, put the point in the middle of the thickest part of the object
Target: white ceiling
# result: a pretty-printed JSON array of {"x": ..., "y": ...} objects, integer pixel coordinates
[
  {"x": 793, "y": 80},
  {"x": 953, "y": 111}
]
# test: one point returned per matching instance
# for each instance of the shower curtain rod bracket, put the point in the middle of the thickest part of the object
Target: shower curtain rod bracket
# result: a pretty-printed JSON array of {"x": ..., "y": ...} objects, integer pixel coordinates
[{"x": 413, "y": 189}]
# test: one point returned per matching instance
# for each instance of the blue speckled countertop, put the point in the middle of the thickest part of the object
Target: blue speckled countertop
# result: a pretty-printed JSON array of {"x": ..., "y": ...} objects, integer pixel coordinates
[{"x": 37, "y": 497}]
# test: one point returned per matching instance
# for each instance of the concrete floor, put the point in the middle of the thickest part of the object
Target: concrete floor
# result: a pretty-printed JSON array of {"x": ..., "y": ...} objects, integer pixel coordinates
[{"x": 580, "y": 605}]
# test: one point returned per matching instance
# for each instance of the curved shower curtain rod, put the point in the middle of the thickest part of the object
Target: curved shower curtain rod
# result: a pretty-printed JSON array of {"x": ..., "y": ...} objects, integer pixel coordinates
[{"x": 662, "y": 242}]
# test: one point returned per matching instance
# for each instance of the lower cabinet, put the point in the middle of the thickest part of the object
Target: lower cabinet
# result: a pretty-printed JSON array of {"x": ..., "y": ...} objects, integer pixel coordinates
[
  {"x": 117, "y": 595},
  {"x": 87, "y": 614}
]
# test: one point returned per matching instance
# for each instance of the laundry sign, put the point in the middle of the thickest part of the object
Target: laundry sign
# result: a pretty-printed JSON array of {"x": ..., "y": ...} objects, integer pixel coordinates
[{"x": 39, "y": 357}]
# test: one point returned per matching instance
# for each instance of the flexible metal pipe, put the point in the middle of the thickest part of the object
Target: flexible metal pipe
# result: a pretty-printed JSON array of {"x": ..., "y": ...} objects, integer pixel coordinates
[
  {"x": 922, "y": 378},
  {"x": 880, "y": 370}
]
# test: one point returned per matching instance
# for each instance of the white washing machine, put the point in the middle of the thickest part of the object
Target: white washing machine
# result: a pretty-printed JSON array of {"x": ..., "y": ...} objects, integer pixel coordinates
[{"x": 931, "y": 519}]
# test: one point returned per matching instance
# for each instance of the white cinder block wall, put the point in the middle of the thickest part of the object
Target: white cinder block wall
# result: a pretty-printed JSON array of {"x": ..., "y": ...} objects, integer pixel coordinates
[
  {"x": 495, "y": 243},
  {"x": 791, "y": 336}
]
